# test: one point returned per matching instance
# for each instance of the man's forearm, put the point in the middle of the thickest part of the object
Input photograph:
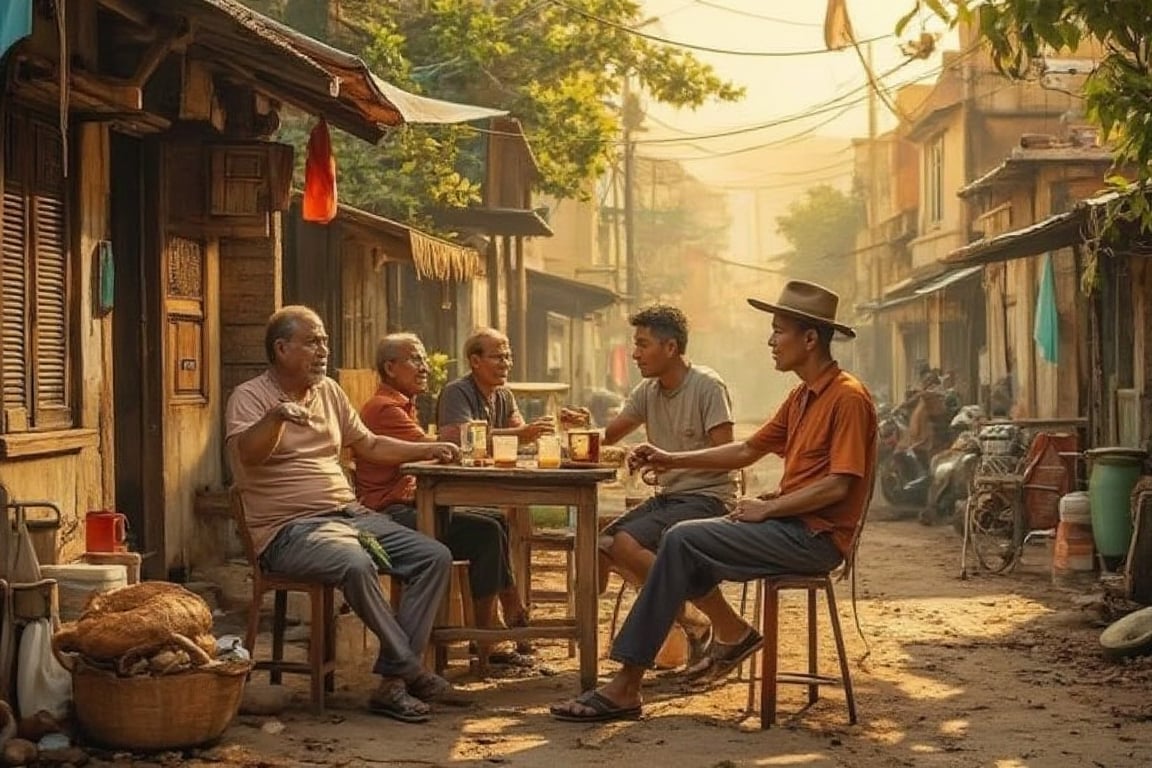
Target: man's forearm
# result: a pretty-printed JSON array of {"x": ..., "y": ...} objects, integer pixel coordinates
[
  {"x": 727, "y": 456},
  {"x": 811, "y": 498},
  {"x": 389, "y": 450},
  {"x": 255, "y": 444}
]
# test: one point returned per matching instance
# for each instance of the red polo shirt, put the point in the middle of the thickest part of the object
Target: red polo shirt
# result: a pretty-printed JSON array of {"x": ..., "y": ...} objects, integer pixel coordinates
[{"x": 392, "y": 414}]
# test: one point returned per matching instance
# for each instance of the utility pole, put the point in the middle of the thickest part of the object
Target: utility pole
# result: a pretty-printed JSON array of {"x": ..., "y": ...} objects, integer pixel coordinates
[
  {"x": 630, "y": 118},
  {"x": 872, "y": 218}
]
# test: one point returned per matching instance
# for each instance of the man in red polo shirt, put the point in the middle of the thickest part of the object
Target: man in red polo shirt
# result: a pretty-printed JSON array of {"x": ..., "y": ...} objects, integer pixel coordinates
[
  {"x": 402, "y": 365},
  {"x": 826, "y": 433}
]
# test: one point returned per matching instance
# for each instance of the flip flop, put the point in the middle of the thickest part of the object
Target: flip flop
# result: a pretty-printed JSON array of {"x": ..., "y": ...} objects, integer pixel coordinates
[
  {"x": 398, "y": 704},
  {"x": 698, "y": 647},
  {"x": 603, "y": 709},
  {"x": 721, "y": 659},
  {"x": 512, "y": 659}
]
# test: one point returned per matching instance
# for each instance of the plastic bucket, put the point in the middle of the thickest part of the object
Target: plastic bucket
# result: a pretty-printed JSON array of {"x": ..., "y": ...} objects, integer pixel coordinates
[
  {"x": 1076, "y": 507},
  {"x": 1073, "y": 554},
  {"x": 1115, "y": 472}
]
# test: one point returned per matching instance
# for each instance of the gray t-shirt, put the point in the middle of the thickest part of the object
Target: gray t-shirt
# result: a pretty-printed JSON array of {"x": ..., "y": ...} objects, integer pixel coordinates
[
  {"x": 679, "y": 420},
  {"x": 462, "y": 401}
]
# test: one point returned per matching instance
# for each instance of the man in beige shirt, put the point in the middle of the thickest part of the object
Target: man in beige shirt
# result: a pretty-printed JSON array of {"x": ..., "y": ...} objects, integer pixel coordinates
[{"x": 285, "y": 431}]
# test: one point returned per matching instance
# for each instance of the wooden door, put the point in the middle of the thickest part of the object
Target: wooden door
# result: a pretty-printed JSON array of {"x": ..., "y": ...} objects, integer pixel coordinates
[{"x": 137, "y": 348}]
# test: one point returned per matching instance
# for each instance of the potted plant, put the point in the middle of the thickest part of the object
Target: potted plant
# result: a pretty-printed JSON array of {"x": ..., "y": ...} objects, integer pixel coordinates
[{"x": 438, "y": 363}]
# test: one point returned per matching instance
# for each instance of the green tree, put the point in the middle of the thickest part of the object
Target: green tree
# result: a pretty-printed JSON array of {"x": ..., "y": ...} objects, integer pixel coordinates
[
  {"x": 1118, "y": 93},
  {"x": 822, "y": 227},
  {"x": 558, "y": 67}
]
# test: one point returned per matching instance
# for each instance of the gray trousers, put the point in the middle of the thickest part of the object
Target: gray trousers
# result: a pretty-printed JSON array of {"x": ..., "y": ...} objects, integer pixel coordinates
[
  {"x": 325, "y": 548},
  {"x": 696, "y": 555}
]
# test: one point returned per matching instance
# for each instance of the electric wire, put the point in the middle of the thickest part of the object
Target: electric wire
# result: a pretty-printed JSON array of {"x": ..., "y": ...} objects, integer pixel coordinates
[{"x": 692, "y": 46}]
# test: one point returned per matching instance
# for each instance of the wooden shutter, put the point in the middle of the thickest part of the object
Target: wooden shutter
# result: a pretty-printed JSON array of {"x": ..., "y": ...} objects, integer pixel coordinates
[
  {"x": 13, "y": 289},
  {"x": 50, "y": 268}
]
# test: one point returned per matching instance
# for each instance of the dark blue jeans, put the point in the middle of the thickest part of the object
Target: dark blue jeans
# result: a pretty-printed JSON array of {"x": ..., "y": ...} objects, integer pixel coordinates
[{"x": 697, "y": 555}]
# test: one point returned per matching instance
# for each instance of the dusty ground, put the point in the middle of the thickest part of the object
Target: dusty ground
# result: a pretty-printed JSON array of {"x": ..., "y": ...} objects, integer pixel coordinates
[{"x": 992, "y": 671}]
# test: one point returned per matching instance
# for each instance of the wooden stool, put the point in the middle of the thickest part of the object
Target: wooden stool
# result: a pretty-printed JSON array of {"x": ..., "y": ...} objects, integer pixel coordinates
[
  {"x": 767, "y": 604},
  {"x": 461, "y": 610},
  {"x": 321, "y": 664},
  {"x": 563, "y": 541}
]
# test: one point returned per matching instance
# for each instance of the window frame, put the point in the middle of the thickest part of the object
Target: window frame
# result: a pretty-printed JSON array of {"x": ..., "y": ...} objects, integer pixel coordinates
[{"x": 48, "y": 273}]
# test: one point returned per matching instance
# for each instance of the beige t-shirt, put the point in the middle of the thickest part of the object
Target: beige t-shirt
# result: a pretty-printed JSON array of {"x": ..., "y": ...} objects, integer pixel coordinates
[
  {"x": 679, "y": 420},
  {"x": 303, "y": 476}
]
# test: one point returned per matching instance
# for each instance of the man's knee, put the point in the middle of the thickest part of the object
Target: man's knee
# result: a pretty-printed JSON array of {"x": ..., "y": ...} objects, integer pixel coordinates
[
  {"x": 437, "y": 556},
  {"x": 622, "y": 546}
]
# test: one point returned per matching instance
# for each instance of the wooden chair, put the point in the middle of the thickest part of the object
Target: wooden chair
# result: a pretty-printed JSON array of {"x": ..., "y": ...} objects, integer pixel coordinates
[
  {"x": 321, "y": 664},
  {"x": 766, "y": 606}
]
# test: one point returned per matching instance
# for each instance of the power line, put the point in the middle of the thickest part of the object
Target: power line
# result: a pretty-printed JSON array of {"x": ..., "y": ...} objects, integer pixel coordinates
[
  {"x": 751, "y": 15},
  {"x": 694, "y": 47}
]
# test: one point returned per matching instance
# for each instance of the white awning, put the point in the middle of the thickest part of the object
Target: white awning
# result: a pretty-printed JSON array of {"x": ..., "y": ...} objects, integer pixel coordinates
[
  {"x": 947, "y": 279},
  {"x": 424, "y": 109}
]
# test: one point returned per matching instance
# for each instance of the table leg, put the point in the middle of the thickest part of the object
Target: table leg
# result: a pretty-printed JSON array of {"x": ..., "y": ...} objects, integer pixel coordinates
[
  {"x": 519, "y": 532},
  {"x": 435, "y": 656},
  {"x": 587, "y": 602}
]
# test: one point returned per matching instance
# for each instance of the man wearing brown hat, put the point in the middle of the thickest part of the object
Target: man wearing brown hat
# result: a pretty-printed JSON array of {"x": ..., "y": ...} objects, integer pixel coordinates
[{"x": 826, "y": 433}]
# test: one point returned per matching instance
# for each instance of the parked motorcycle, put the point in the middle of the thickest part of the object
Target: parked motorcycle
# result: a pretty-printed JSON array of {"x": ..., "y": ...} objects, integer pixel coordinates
[
  {"x": 903, "y": 481},
  {"x": 952, "y": 470}
]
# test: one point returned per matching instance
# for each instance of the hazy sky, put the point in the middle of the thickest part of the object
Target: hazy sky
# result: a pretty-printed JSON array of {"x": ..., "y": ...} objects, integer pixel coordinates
[
  {"x": 779, "y": 88},
  {"x": 819, "y": 102}
]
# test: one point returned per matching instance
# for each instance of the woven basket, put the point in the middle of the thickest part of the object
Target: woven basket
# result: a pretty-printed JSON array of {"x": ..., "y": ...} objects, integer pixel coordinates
[{"x": 146, "y": 712}]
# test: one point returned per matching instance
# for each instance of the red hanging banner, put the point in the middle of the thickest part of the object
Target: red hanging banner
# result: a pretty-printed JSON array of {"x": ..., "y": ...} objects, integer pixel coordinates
[{"x": 320, "y": 177}]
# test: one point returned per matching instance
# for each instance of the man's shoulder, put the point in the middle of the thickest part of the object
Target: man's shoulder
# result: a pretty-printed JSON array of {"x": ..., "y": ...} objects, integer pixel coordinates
[
  {"x": 257, "y": 385},
  {"x": 456, "y": 387},
  {"x": 849, "y": 387},
  {"x": 706, "y": 376}
]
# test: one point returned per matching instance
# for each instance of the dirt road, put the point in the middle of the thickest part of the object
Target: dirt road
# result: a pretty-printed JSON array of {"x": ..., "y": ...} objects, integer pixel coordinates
[{"x": 992, "y": 671}]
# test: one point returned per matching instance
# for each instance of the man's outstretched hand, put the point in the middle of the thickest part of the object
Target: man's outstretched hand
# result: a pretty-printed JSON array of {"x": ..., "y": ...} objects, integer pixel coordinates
[
  {"x": 648, "y": 456},
  {"x": 445, "y": 453}
]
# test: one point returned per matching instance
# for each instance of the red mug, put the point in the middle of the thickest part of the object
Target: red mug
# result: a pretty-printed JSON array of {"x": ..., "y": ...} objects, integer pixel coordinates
[{"x": 105, "y": 531}]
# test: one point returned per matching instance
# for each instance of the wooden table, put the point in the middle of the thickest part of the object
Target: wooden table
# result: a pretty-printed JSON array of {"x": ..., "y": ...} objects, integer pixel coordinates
[{"x": 439, "y": 486}]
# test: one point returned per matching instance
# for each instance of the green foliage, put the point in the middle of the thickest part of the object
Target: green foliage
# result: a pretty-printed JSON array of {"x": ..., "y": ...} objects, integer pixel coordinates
[
  {"x": 438, "y": 363},
  {"x": 1117, "y": 95},
  {"x": 822, "y": 229},
  {"x": 557, "y": 70}
]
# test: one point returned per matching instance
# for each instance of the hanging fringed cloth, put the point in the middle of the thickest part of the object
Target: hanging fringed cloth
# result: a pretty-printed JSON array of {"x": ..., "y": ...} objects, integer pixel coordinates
[{"x": 320, "y": 177}]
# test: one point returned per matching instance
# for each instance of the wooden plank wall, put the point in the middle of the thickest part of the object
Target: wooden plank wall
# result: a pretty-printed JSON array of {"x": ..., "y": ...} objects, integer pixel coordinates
[{"x": 250, "y": 291}]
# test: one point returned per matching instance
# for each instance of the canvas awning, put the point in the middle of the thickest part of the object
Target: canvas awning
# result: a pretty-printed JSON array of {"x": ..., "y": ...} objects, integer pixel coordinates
[
  {"x": 912, "y": 288},
  {"x": 947, "y": 279},
  {"x": 302, "y": 71},
  {"x": 566, "y": 296},
  {"x": 500, "y": 222},
  {"x": 433, "y": 257}
]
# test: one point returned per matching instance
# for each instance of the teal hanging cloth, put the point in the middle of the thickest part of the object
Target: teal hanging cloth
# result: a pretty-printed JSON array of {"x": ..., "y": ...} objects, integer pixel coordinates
[
  {"x": 1046, "y": 332},
  {"x": 15, "y": 22}
]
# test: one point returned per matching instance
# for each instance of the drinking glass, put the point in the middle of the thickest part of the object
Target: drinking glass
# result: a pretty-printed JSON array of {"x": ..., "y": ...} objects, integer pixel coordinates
[
  {"x": 504, "y": 450},
  {"x": 548, "y": 451}
]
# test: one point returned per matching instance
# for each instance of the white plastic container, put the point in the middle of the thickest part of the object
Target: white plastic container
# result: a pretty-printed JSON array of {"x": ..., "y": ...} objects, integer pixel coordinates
[{"x": 76, "y": 581}]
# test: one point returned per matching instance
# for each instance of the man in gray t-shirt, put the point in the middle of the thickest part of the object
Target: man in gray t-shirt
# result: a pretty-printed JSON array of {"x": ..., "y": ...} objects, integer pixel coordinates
[{"x": 683, "y": 407}]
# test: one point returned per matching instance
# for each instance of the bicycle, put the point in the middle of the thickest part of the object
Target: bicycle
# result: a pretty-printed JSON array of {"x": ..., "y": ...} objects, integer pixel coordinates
[{"x": 997, "y": 522}]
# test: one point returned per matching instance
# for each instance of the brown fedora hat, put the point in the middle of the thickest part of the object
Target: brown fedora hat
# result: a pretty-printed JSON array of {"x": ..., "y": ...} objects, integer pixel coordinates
[{"x": 807, "y": 301}]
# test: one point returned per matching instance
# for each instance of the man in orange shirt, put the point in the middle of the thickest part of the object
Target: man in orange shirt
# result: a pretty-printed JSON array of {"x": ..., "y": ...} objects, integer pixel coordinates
[
  {"x": 826, "y": 433},
  {"x": 478, "y": 538}
]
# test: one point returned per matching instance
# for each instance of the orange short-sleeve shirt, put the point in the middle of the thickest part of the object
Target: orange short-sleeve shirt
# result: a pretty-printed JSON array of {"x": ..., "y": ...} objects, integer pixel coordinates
[{"x": 826, "y": 428}]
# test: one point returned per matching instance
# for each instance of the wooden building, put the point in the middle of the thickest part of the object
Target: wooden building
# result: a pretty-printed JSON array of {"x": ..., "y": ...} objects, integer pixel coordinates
[{"x": 141, "y": 244}]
